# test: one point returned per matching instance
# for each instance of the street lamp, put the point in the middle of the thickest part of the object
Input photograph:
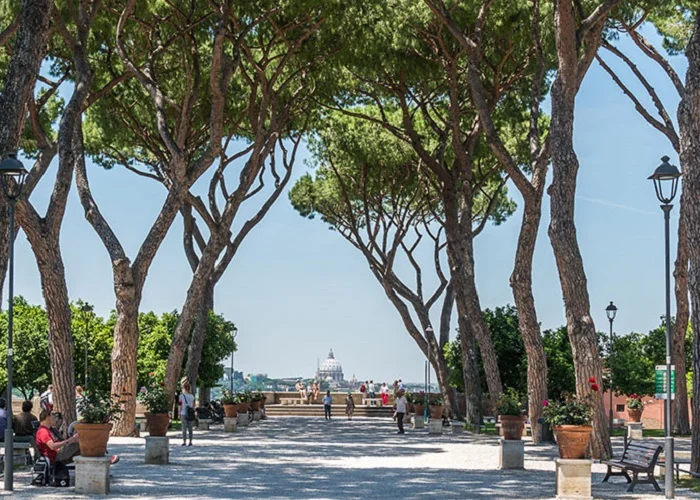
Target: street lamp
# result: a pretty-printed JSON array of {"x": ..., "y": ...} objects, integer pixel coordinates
[
  {"x": 12, "y": 175},
  {"x": 611, "y": 312},
  {"x": 429, "y": 331},
  {"x": 234, "y": 332},
  {"x": 87, "y": 309},
  {"x": 665, "y": 179}
]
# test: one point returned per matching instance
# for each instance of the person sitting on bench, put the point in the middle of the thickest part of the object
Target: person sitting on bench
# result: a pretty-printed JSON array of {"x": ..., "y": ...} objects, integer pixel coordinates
[
  {"x": 48, "y": 444},
  {"x": 25, "y": 423}
]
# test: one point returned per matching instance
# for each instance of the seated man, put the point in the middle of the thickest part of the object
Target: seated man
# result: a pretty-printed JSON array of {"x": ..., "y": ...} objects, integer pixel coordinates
[
  {"x": 49, "y": 446},
  {"x": 25, "y": 422}
]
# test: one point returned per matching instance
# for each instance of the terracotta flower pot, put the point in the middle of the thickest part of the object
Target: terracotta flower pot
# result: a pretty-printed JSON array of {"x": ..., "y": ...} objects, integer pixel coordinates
[
  {"x": 243, "y": 407},
  {"x": 436, "y": 411},
  {"x": 513, "y": 427},
  {"x": 157, "y": 423},
  {"x": 93, "y": 439},
  {"x": 573, "y": 440},
  {"x": 635, "y": 415},
  {"x": 419, "y": 410},
  {"x": 255, "y": 405},
  {"x": 231, "y": 410}
]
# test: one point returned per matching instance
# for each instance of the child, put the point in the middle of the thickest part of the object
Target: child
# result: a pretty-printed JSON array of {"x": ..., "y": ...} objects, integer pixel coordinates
[{"x": 327, "y": 400}]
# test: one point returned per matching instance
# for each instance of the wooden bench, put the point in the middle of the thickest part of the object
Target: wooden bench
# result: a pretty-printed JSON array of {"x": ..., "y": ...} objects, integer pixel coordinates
[
  {"x": 638, "y": 457},
  {"x": 292, "y": 401},
  {"x": 372, "y": 401}
]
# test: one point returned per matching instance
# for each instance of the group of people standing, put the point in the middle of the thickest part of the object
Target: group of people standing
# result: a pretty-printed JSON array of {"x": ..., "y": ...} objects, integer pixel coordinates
[{"x": 369, "y": 388}]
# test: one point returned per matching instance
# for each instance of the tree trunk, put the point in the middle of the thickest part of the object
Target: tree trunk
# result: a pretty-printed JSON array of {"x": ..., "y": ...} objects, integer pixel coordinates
[
  {"x": 681, "y": 418},
  {"x": 194, "y": 351},
  {"x": 53, "y": 284},
  {"x": 689, "y": 124},
  {"x": 126, "y": 341},
  {"x": 204, "y": 395},
  {"x": 472, "y": 326},
  {"x": 562, "y": 233},
  {"x": 22, "y": 70},
  {"x": 195, "y": 296},
  {"x": 521, "y": 283}
]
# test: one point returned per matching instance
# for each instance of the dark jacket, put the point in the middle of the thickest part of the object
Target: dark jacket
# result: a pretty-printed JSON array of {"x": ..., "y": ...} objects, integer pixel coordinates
[{"x": 23, "y": 424}]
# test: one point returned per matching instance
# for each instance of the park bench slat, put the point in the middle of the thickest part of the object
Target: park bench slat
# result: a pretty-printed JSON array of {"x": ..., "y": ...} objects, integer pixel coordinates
[{"x": 637, "y": 458}]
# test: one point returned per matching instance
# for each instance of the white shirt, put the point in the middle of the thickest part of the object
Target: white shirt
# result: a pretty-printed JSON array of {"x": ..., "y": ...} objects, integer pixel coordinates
[
  {"x": 371, "y": 387},
  {"x": 401, "y": 404},
  {"x": 384, "y": 390},
  {"x": 186, "y": 400}
]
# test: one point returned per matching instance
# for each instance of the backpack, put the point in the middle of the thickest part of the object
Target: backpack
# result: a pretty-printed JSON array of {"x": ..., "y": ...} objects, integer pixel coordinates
[
  {"x": 190, "y": 413},
  {"x": 44, "y": 402},
  {"x": 60, "y": 476}
]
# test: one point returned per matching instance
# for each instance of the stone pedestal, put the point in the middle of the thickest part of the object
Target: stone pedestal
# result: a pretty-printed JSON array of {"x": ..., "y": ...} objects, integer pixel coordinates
[
  {"x": 92, "y": 475},
  {"x": 256, "y": 416},
  {"x": 634, "y": 430},
  {"x": 230, "y": 424},
  {"x": 204, "y": 424},
  {"x": 158, "y": 450},
  {"x": 435, "y": 426},
  {"x": 243, "y": 419},
  {"x": 512, "y": 454},
  {"x": 418, "y": 422},
  {"x": 457, "y": 428},
  {"x": 573, "y": 479}
]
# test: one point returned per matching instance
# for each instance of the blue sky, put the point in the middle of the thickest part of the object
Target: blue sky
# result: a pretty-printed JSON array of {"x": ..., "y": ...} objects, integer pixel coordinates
[{"x": 296, "y": 289}]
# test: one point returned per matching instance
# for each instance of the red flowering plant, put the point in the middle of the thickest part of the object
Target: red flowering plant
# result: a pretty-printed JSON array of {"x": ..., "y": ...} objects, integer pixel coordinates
[
  {"x": 571, "y": 410},
  {"x": 635, "y": 402}
]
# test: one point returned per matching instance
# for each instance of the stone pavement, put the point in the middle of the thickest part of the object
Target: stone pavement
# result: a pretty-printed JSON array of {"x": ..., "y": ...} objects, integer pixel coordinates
[{"x": 299, "y": 458}]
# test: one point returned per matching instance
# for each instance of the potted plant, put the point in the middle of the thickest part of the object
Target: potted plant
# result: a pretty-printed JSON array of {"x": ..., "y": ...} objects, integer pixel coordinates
[
  {"x": 571, "y": 421},
  {"x": 510, "y": 411},
  {"x": 96, "y": 411},
  {"x": 435, "y": 401},
  {"x": 230, "y": 402},
  {"x": 243, "y": 401},
  {"x": 255, "y": 399},
  {"x": 635, "y": 407},
  {"x": 418, "y": 403},
  {"x": 155, "y": 400}
]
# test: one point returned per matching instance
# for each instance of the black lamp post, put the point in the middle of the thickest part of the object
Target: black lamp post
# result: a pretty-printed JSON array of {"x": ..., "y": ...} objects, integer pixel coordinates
[
  {"x": 611, "y": 312},
  {"x": 234, "y": 332},
  {"x": 87, "y": 309},
  {"x": 12, "y": 175},
  {"x": 428, "y": 330},
  {"x": 665, "y": 179}
]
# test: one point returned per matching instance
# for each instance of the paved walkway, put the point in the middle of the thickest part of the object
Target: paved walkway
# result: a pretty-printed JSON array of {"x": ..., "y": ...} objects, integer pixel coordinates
[{"x": 298, "y": 457}]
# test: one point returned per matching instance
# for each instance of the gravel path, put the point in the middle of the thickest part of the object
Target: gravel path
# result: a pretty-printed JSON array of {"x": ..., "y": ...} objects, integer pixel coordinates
[{"x": 301, "y": 458}]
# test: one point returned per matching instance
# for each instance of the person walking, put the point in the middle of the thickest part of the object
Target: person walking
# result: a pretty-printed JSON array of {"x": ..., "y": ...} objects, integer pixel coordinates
[
  {"x": 401, "y": 409},
  {"x": 327, "y": 401},
  {"x": 349, "y": 406},
  {"x": 186, "y": 401}
]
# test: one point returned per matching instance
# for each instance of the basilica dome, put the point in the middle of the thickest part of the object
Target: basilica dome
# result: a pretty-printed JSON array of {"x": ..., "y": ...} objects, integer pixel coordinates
[{"x": 330, "y": 369}]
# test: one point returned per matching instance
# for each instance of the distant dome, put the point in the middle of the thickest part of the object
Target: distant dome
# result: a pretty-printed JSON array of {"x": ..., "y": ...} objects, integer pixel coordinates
[{"x": 330, "y": 369}]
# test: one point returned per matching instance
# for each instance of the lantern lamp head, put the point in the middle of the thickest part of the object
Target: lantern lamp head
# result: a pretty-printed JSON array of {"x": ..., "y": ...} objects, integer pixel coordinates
[
  {"x": 665, "y": 179},
  {"x": 611, "y": 311}
]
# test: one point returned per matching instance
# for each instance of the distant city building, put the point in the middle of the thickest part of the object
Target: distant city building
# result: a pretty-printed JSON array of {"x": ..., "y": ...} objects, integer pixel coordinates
[
  {"x": 257, "y": 377},
  {"x": 330, "y": 371}
]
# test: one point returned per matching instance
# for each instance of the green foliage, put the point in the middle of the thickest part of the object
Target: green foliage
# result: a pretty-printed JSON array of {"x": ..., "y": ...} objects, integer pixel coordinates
[
  {"x": 244, "y": 397},
  {"x": 635, "y": 402},
  {"x": 154, "y": 398},
  {"x": 98, "y": 408},
  {"x": 218, "y": 345},
  {"x": 510, "y": 403},
  {"x": 569, "y": 411},
  {"x": 561, "y": 378},
  {"x": 632, "y": 367},
  {"x": 435, "y": 399},
  {"x": 228, "y": 398}
]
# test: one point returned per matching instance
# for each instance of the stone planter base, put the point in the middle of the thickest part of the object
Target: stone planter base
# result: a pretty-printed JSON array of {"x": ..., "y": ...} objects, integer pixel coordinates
[
  {"x": 457, "y": 428},
  {"x": 634, "y": 430},
  {"x": 512, "y": 454},
  {"x": 243, "y": 419},
  {"x": 573, "y": 478},
  {"x": 157, "y": 450},
  {"x": 435, "y": 426},
  {"x": 256, "y": 416},
  {"x": 92, "y": 475},
  {"x": 418, "y": 422},
  {"x": 204, "y": 424},
  {"x": 230, "y": 424}
]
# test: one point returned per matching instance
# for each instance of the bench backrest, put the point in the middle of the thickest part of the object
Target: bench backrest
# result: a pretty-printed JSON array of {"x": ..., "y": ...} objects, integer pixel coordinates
[{"x": 642, "y": 455}]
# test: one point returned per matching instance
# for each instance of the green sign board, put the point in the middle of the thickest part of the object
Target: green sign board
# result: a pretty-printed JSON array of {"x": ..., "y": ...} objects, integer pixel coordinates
[{"x": 660, "y": 381}]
